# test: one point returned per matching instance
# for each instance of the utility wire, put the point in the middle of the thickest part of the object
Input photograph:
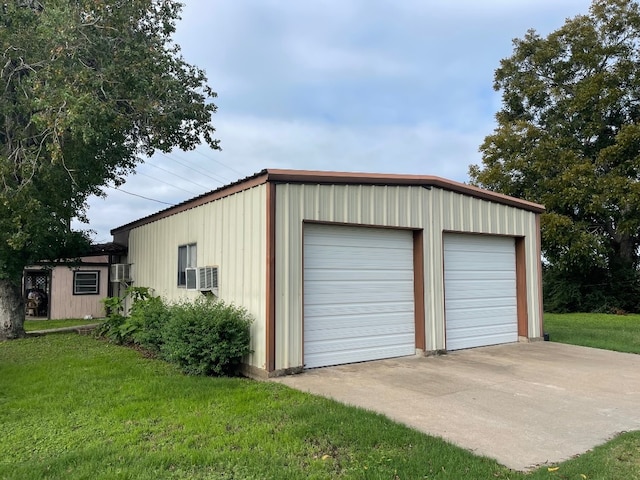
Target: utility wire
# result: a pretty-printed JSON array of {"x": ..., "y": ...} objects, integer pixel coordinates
[
  {"x": 175, "y": 158},
  {"x": 176, "y": 175},
  {"x": 167, "y": 183},
  {"x": 141, "y": 196},
  {"x": 202, "y": 168},
  {"x": 220, "y": 163}
]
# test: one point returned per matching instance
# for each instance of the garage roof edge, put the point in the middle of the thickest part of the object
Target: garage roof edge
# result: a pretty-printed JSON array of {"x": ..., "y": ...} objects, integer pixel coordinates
[
  {"x": 355, "y": 178},
  {"x": 328, "y": 177}
]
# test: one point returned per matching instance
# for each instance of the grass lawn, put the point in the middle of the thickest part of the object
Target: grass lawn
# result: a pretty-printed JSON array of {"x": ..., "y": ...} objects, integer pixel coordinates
[
  {"x": 31, "y": 325},
  {"x": 612, "y": 332},
  {"x": 74, "y": 407}
]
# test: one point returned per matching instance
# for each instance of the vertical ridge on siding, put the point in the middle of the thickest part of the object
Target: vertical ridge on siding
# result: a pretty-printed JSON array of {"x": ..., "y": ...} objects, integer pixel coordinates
[
  {"x": 393, "y": 206},
  {"x": 230, "y": 233},
  {"x": 448, "y": 215}
]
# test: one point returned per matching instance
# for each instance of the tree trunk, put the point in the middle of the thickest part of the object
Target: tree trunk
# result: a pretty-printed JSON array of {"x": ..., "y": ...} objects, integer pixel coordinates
[
  {"x": 11, "y": 311},
  {"x": 626, "y": 248}
]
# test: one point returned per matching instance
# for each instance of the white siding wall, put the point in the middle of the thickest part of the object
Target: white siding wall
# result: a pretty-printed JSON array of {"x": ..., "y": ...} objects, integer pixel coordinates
[
  {"x": 433, "y": 210},
  {"x": 230, "y": 233}
]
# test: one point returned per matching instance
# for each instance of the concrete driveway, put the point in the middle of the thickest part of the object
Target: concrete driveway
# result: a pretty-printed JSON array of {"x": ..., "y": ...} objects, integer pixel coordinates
[{"x": 522, "y": 404}]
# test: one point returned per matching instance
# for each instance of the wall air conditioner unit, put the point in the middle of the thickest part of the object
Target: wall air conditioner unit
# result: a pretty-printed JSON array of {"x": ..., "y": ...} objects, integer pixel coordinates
[
  {"x": 208, "y": 279},
  {"x": 121, "y": 272},
  {"x": 191, "y": 275}
]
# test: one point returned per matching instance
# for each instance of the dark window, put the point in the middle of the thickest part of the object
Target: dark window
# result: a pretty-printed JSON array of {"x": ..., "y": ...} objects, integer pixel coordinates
[
  {"x": 186, "y": 259},
  {"x": 86, "y": 283}
]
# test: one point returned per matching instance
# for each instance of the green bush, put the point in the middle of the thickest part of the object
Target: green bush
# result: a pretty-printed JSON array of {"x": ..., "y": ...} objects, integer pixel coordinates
[
  {"x": 117, "y": 327},
  {"x": 591, "y": 290},
  {"x": 147, "y": 318},
  {"x": 206, "y": 337},
  {"x": 113, "y": 327}
]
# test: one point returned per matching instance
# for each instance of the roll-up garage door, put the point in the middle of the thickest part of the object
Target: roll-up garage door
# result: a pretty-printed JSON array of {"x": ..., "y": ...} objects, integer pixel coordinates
[
  {"x": 358, "y": 294},
  {"x": 480, "y": 290}
]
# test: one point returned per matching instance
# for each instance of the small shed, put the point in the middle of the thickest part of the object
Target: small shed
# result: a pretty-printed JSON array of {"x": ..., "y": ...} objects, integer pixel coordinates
[
  {"x": 71, "y": 288},
  {"x": 340, "y": 267}
]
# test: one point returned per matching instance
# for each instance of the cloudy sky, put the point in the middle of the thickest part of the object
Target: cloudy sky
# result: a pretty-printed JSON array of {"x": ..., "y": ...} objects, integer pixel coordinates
[{"x": 392, "y": 86}]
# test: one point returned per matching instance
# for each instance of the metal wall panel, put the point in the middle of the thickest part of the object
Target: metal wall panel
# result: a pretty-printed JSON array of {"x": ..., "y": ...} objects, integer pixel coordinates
[
  {"x": 230, "y": 233},
  {"x": 454, "y": 212},
  {"x": 434, "y": 210},
  {"x": 358, "y": 204}
]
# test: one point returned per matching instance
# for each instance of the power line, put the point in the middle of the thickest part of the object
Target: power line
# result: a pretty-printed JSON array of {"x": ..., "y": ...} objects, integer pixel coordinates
[
  {"x": 141, "y": 196},
  {"x": 167, "y": 183},
  {"x": 175, "y": 158},
  {"x": 220, "y": 163},
  {"x": 176, "y": 175}
]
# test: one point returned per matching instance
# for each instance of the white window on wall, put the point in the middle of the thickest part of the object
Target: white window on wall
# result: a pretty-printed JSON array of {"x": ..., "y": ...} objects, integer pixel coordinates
[
  {"x": 186, "y": 259},
  {"x": 86, "y": 282}
]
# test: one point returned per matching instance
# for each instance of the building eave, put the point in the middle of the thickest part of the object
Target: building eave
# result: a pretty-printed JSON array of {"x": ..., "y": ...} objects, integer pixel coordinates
[{"x": 332, "y": 178}]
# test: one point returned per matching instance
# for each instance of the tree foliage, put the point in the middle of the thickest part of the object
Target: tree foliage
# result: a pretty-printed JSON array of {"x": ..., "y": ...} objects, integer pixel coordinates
[
  {"x": 86, "y": 87},
  {"x": 568, "y": 136}
]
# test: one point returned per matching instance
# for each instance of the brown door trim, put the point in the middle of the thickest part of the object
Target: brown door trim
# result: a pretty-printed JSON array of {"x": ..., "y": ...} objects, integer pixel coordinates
[
  {"x": 539, "y": 268},
  {"x": 418, "y": 288},
  {"x": 521, "y": 288}
]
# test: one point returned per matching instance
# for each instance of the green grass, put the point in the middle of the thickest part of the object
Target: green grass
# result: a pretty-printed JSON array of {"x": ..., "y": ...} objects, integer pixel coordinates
[
  {"x": 32, "y": 325},
  {"x": 612, "y": 332},
  {"x": 74, "y": 407}
]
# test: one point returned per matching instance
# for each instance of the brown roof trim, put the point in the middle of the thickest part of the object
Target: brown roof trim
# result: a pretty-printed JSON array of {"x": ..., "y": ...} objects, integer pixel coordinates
[
  {"x": 327, "y": 177},
  {"x": 235, "y": 187},
  {"x": 309, "y": 176}
]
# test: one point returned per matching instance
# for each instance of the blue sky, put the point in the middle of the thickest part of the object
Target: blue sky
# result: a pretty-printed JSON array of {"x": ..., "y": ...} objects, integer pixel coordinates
[{"x": 390, "y": 86}]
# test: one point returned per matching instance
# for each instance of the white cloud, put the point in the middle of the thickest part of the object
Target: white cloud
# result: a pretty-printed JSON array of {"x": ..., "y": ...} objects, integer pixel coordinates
[{"x": 358, "y": 85}]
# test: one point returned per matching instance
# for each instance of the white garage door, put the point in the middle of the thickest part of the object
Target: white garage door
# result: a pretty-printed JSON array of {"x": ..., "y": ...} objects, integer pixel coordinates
[
  {"x": 358, "y": 294},
  {"x": 480, "y": 290}
]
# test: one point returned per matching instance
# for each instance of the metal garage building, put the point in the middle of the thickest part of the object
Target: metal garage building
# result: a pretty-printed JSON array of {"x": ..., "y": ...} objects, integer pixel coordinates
[{"x": 348, "y": 267}]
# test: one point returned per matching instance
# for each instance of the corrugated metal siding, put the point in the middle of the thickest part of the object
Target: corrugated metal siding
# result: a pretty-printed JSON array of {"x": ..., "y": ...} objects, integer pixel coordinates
[
  {"x": 454, "y": 212},
  {"x": 359, "y": 204},
  {"x": 433, "y": 210},
  {"x": 230, "y": 233}
]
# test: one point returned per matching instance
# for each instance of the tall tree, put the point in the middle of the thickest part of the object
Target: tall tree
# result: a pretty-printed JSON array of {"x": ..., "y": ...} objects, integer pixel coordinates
[
  {"x": 86, "y": 87},
  {"x": 568, "y": 136}
]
